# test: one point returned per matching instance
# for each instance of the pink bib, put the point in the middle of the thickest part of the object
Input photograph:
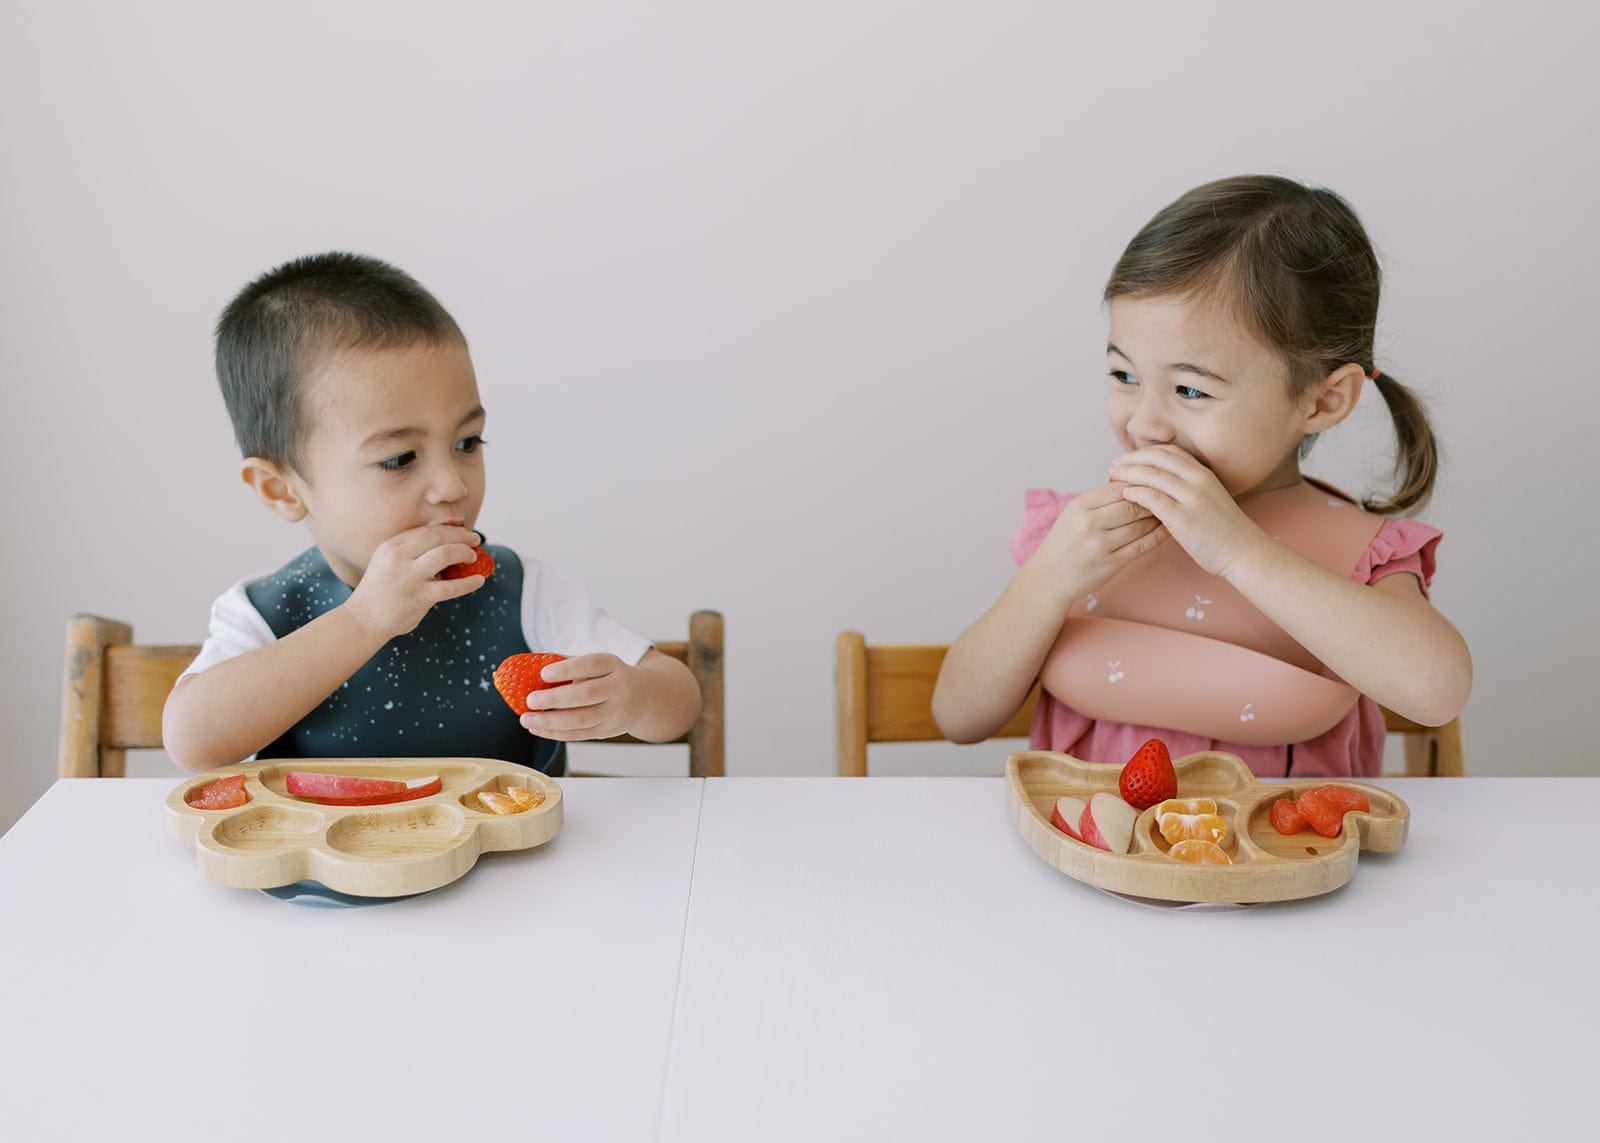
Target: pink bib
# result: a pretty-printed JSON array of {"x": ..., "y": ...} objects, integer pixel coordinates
[{"x": 1164, "y": 643}]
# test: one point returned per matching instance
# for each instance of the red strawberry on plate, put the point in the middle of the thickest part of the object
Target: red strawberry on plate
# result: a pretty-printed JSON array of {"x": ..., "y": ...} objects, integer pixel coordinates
[
  {"x": 519, "y": 676},
  {"x": 483, "y": 565},
  {"x": 1148, "y": 777}
]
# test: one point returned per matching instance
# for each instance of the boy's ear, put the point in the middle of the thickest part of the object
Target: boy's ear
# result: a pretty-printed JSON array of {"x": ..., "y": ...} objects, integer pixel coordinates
[
  {"x": 275, "y": 486},
  {"x": 1335, "y": 399}
]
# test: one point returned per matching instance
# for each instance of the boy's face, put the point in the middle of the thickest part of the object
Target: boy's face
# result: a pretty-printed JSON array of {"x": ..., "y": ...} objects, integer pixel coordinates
[{"x": 394, "y": 444}]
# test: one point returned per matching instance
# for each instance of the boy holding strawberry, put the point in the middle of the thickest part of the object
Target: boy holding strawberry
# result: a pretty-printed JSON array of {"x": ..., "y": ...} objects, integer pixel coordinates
[{"x": 355, "y": 405}]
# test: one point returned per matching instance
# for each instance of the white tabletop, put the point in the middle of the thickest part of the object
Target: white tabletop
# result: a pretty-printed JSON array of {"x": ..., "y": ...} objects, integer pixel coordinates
[
  {"x": 886, "y": 959},
  {"x": 803, "y": 959},
  {"x": 536, "y": 991}
]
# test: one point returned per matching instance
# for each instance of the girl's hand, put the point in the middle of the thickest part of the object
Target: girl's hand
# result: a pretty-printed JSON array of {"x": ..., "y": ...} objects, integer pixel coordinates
[
  {"x": 607, "y": 698},
  {"x": 1098, "y": 534},
  {"x": 401, "y": 581},
  {"x": 1187, "y": 497}
]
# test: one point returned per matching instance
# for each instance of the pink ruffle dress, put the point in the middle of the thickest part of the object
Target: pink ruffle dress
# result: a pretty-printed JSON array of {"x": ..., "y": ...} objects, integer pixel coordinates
[{"x": 1352, "y": 748}]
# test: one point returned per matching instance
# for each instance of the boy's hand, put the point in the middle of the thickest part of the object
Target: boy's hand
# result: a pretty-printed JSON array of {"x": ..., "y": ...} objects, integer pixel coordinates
[
  {"x": 1096, "y": 536},
  {"x": 402, "y": 579},
  {"x": 607, "y": 698},
  {"x": 1188, "y": 498}
]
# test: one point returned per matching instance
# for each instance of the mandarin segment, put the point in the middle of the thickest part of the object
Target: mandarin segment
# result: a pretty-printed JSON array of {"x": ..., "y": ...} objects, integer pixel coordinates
[
  {"x": 1186, "y": 806},
  {"x": 1192, "y": 827},
  {"x": 499, "y": 803},
  {"x": 525, "y": 798},
  {"x": 1200, "y": 852}
]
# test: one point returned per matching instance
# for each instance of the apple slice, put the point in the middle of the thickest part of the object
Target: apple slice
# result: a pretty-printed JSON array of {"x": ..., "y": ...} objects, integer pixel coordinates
[
  {"x": 1107, "y": 823},
  {"x": 350, "y": 790},
  {"x": 1066, "y": 815}
]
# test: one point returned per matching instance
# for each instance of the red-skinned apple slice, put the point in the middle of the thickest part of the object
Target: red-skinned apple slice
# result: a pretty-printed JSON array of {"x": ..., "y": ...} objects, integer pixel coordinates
[
  {"x": 350, "y": 790},
  {"x": 1067, "y": 814},
  {"x": 1107, "y": 823}
]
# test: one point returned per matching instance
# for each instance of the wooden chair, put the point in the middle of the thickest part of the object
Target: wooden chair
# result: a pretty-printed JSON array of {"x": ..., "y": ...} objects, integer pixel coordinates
[
  {"x": 885, "y": 694},
  {"x": 114, "y": 689}
]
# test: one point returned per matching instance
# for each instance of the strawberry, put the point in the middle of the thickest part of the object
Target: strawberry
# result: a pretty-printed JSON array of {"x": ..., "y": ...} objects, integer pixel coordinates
[
  {"x": 1148, "y": 777},
  {"x": 518, "y": 677},
  {"x": 1285, "y": 818},
  {"x": 483, "y": 565},
  {"x": 1323, "y": 814}
]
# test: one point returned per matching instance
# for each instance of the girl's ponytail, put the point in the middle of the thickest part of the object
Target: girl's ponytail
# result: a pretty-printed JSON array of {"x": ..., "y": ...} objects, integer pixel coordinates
[{"x": 1416, "y": 461}]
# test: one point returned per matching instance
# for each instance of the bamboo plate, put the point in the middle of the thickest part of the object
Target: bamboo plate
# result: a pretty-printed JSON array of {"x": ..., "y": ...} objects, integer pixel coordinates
[
  {"x": 392, "y": 850},
  {"x": 1267, "y": 866}
]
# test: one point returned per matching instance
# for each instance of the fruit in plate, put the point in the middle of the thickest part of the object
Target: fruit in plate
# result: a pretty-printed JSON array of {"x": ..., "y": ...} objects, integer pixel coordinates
[
  {"x": 525, "y": 797},
  {"x": 223, "y": 794},
  {"x": 353, "y": 790},
  {"x": 518, "y": 676},
  {"x": 1192, "y": 827},
  {"x": 1321, "y": 808},
  {"x": 1066, "y": 814},
  {"x": 1107, "y": 823},
  {"x": 1285, "y": 818},
  {"x": 1200, "y": 852},
  {"x": 1186, "y": 806},
  {"x": 1148, "y": 777},
  {"x": 482, "y": 564}
]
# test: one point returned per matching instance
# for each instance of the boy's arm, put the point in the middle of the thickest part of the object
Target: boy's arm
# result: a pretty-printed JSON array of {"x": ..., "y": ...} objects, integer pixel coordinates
[
  {"x": 229, "y": 711},
  {"x": 655, "y": 701}
]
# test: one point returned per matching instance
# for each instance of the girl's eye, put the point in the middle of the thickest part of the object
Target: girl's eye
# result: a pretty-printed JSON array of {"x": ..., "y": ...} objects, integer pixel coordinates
[
  {"x": 1190, "y": 393},
  {"x": 470, "y": 444},
  {"x": 1122, "y": 377},
  {"x": 398, "y": 463}
]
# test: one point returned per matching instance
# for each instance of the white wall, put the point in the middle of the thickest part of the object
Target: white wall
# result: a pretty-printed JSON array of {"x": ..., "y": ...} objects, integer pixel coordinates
[{"x": 776, "y": 308}]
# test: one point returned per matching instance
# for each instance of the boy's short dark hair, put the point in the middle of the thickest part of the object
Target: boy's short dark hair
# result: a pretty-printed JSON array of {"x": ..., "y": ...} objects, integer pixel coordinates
[{"x": 276, "y": 329}]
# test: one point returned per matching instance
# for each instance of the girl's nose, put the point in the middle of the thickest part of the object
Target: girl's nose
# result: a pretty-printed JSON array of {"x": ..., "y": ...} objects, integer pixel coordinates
[{"x": 1149, "y": 423}]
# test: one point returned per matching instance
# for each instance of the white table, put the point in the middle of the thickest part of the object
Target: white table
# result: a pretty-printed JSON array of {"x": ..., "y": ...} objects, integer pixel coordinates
[
  {"x": 888, "y": 960},
  {"x": 798, "y": 959},
  {"x": 534, "y": 996}
]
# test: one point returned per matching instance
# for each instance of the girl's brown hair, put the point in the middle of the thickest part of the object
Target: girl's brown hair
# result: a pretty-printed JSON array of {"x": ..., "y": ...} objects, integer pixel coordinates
[{"x": 1295, "y": 267}]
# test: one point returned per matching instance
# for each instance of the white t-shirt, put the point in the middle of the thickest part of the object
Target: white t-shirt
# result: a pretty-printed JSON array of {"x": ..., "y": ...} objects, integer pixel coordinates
[{"x": 557, "y": 615}]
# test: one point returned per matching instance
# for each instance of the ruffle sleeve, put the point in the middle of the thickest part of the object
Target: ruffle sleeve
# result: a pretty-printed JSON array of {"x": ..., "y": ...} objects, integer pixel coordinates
[
  {"x": 1400, "y": 546},
  {"x": 1040, "y": 507}
]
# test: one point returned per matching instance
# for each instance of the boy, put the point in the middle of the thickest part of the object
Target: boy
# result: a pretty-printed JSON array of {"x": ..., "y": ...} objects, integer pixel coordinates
[{"x": 356, "y": 408}]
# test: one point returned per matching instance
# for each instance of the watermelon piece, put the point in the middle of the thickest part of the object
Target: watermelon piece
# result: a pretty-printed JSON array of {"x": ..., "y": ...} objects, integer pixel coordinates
[{"x": 223, "y": 794}]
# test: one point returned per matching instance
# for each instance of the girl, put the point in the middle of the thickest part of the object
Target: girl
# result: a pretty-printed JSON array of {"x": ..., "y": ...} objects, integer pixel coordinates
[{"x": 1209, "y": 594}]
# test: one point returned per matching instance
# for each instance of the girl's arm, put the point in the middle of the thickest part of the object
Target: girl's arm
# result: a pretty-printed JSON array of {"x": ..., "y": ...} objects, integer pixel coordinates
[
  {"x": 990, "y": 668},
  {"x": 1386, "y": 640}
]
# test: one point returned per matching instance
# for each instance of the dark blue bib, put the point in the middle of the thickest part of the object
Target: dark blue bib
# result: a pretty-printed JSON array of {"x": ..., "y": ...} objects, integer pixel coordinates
[{"x": 429, "y": 693}]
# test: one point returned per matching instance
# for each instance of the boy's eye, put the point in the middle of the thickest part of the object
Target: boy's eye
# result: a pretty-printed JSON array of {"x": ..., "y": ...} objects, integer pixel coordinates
[
  {"x": 470, "y": 444},
  {"x": 398, "y": 463},
  {"x": 1189, "y": 392}
]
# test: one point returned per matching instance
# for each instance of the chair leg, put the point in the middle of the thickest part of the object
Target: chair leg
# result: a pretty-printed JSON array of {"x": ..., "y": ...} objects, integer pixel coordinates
[
  {"x": 83, "y": 698},
  {"x": 706, "y": 757}
]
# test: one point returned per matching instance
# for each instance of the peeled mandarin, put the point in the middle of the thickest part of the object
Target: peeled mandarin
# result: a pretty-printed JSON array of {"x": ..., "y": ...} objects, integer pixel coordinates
[
  {"x": 1186, "y": 806},
  {"x": 1192, "y": 827},
  {"x": 525, "y": 798},
  {"x": 499, "y": 803},
  {"x": 1200, "y": 852}
]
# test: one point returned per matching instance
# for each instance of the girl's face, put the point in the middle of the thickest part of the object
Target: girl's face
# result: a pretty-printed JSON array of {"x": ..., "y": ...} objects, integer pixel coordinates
[{"x": 1184, "y": 374}]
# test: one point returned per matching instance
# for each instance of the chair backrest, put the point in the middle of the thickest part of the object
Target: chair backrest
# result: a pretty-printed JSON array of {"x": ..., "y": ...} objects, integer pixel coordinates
[
  {"x": 114, "y": 690},
  {"x": 885, "y": 694}
]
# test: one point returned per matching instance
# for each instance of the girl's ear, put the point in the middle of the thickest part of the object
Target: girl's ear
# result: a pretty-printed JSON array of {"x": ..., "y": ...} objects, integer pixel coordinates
[
  {"x": 277, "y": 488},
  {"x": 1334, "y": 399}
]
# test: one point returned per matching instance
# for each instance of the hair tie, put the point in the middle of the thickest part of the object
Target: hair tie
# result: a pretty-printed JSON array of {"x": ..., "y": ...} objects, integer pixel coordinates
[{"x": 1375, "y": 374}]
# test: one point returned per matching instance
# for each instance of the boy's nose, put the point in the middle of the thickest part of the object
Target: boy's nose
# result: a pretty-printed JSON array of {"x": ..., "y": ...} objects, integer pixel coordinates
[{"x": 446, "y": 486}]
